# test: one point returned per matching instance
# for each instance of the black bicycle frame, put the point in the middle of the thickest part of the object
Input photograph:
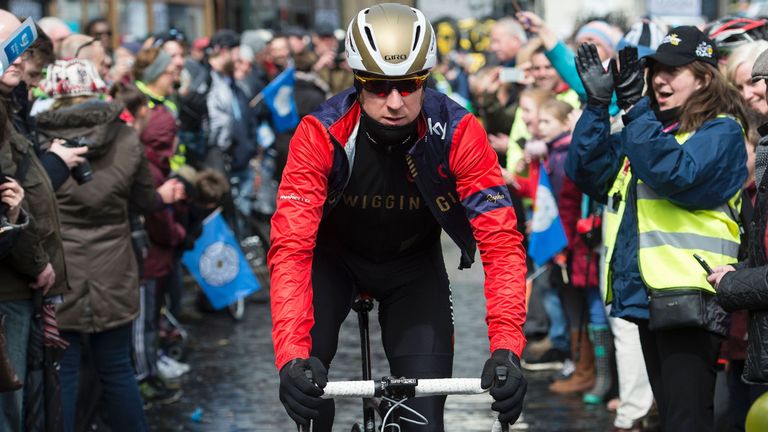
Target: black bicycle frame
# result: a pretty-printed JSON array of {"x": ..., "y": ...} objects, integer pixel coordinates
[{"x": 362, "y": 305}]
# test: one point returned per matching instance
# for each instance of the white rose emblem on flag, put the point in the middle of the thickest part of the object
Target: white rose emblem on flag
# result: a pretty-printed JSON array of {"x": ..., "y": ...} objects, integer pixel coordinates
[{"x": 219, "y": 264}]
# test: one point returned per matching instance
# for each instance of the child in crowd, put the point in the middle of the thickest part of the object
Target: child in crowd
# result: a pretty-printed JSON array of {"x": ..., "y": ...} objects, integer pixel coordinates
[
  {"x": 546, "y": 148},
  {"x": 136, "y": 112},
  {"x": 517, "y": 161},
  {"x": 577, "y": 288}
]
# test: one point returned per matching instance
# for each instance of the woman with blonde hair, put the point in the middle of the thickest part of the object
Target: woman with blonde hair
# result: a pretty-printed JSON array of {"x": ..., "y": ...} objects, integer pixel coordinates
[{"x": 738, "y": 71}]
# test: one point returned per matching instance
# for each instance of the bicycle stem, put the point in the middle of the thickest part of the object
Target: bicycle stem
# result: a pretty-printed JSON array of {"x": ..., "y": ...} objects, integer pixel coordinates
[
  {"x": 501, "y": 378},
  {"x": 363, "y": 305}
]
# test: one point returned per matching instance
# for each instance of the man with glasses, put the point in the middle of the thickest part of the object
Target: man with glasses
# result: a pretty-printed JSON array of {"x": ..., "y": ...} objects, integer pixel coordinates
[
  {"x": 373, "y": 177},
  {"x": 99, "y": 29}
]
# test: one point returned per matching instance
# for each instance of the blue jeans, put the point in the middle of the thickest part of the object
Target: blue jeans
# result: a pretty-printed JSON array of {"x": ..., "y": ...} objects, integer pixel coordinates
[
  {"x": 18, "y": 321},
  {"x": 111, "y": 352},
  {"x": 596, "y": 307},
  {"x": 558, "y": 324},
  {"x": 243, "y": 200}
]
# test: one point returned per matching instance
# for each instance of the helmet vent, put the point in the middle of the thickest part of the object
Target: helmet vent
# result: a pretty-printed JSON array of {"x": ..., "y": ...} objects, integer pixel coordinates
[
  {"x": 351, "y": 43},
  {"x": 370, "y": 38},
  {"x": 416, "y": 38}
]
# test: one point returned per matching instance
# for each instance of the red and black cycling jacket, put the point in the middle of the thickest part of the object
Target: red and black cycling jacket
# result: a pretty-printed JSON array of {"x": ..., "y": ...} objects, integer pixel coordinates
[{"x": 457, "y": 173}]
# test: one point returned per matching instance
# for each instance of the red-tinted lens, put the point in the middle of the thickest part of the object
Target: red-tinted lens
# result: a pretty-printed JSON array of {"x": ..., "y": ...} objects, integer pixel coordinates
[{"x": 384, "y": 87}]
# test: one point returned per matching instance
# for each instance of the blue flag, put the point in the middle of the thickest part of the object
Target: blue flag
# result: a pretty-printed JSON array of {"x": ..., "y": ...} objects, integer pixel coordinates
[
  {"x": 547, "y": 237},
  {"x": 278, "y": 95},
  {"x": 218, "y": 265}
]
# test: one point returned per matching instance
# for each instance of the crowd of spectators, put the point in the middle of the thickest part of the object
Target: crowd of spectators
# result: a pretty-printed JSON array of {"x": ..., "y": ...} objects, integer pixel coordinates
[{"x": 111, "y": 156}]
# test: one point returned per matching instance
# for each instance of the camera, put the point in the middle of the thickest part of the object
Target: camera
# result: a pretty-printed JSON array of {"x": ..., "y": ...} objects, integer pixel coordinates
[
  {"x": 82, "y": 173},
  {"x": 3, "y": 206},
  {"x": 5, "y": 223}
]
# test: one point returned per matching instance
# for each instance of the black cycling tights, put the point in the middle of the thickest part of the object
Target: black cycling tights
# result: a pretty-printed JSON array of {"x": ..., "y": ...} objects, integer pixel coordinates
[{"x": 415, "y": 314}]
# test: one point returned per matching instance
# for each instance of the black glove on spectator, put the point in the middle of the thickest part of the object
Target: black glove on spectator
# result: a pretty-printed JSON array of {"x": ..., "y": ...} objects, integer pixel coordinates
[
  {"x": 300, "y": 395},
  {"x": 502, "y": 371},
  {"x": 630, "y": 80},
  {"x": 597, "y": 81}
]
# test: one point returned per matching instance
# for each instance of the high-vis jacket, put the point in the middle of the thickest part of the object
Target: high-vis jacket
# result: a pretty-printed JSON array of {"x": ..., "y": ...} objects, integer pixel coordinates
[
  {"x": 456, "y": 172},
  {"x": 669, "y": 235},
  {"x": 669, "y": 201}
]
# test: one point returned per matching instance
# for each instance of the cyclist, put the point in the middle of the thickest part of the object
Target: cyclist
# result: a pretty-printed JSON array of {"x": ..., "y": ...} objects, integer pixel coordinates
[{"x": 372, "y": 177}]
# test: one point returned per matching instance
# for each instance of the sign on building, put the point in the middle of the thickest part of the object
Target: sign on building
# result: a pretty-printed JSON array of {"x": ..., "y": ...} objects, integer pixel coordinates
[{"x": 674, "y": 7}]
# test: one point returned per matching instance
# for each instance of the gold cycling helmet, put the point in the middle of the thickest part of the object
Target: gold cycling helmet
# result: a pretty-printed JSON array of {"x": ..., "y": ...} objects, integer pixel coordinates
[{"x": 390, "y": 39}]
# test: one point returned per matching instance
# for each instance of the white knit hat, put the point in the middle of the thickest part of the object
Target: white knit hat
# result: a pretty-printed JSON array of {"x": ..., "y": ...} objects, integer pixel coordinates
[{"x": 70, "y": 78}]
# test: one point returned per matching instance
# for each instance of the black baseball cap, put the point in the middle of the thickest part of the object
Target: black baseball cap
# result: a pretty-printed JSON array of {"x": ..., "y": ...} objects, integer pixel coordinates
[
  {"x": 295, "y": 31},
  {"x": 224, "y": 38},
  {"x": 684, "y": 45},
  {"x": 325, "y": 29}
]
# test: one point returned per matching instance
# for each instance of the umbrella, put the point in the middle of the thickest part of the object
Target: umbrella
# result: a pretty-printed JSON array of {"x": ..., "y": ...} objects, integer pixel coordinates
[{"x": 42, "y": 389}]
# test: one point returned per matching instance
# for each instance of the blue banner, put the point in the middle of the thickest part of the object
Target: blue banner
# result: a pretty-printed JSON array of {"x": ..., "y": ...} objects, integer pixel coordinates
[
  {"x": 18, "y": 42},
  {"x": 547, "y": 236},
  {"x": 278, "y": 95},
  {"x": 218, "y": 265}
]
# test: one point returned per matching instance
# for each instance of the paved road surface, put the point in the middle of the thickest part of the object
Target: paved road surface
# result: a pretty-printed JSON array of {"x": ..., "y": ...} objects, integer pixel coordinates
[{"x": 234, "y": 382}]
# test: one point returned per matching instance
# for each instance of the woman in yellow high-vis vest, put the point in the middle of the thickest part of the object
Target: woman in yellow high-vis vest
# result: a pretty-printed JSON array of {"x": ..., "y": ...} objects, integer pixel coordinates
[{"x": 671, "y": 182}]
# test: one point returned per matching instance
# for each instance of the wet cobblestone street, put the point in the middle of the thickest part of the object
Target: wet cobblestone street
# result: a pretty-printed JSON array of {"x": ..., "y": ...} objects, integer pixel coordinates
[{"x": 234, "y": 382}]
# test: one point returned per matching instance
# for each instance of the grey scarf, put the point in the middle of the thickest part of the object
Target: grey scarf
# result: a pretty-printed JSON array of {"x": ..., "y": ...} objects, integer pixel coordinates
[{"x": 761, "y": 159}]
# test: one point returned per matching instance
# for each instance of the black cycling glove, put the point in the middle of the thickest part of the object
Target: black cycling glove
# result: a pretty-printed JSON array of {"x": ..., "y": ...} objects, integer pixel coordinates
[
  {"x": 598, "y": 82},
  {"x": 508, "y": 385},
  {"x": 630, "y": 80},
  {"x": 300, "y": 395}
]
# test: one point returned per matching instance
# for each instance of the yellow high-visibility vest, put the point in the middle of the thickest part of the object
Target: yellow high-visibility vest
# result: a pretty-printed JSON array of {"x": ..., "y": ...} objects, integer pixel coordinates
[{"x": 669, "y": 235}]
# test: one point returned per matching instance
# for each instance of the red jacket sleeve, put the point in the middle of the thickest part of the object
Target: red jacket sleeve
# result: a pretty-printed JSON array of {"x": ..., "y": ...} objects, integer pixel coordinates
[
  {"x": 583, "y": 262},
  {"x": 526, "y": 189},
  {"x": 300, "y": 200},
  {"x": 529, "y": 184},
  {"x": 569, "y": 203},
  {"x": 475, "y": 166}
]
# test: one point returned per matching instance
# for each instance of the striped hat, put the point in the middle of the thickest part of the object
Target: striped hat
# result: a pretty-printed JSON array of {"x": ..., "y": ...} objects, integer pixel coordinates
[
  {"x": 645, "y": 35},
  {"x": 606, "y": 35}
]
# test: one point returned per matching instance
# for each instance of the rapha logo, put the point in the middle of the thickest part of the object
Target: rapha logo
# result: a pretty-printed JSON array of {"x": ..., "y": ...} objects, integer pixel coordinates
[
  {"x": 493, "y": 198},
  {"x": 293, "y": 197},
  {"x": 437, "y": 128}
]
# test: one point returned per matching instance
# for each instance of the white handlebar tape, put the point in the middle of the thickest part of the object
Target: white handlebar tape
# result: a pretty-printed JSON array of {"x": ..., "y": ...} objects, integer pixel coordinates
[
  {"x": 349, "y": 389},
  {"x": 449, "y": 386},
  {"x": 426, "y": 387}
]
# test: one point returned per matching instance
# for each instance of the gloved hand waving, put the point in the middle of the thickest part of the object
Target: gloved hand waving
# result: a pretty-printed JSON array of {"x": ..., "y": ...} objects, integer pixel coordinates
[
  {"x": 630, "y": 80},
  {"x": 300, "y": 395},
  {"x": 597, "y": 81},
  {"x": 503, "y": 376}
]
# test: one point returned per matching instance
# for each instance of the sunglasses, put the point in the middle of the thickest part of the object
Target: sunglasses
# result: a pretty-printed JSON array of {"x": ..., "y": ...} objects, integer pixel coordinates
[
  {"x": 171, "y": 35},
  {"x": 382, "y": 87}
]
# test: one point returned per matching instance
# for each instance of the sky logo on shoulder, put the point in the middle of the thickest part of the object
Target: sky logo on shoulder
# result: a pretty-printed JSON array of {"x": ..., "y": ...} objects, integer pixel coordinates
[{"x": 17, "y": 43}]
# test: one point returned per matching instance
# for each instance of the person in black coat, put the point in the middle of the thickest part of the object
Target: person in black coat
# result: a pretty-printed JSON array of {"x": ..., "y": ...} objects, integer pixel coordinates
[{"x": 745, "y": 285}]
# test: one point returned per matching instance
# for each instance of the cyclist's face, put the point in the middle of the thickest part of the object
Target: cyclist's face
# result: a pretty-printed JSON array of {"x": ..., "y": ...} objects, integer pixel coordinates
[{"x": 392, "y": 109}]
